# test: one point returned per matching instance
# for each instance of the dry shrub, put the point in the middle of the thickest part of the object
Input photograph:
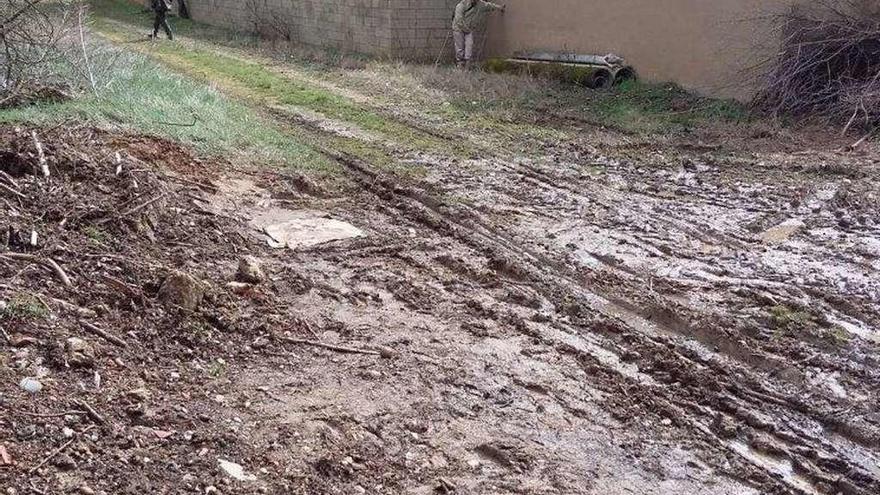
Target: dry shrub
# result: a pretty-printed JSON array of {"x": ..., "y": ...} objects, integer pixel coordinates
[
  {"x": 829, "y": 64},
  {"x": 31, "y": 32}
]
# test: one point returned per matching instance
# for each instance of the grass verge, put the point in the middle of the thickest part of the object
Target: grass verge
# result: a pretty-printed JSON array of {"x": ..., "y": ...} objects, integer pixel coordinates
[{"x": 137, "y": 94}]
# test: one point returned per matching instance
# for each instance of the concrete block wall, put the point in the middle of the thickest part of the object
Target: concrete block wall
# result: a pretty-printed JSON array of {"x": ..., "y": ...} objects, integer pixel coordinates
[{"x": 409, "y": 29}]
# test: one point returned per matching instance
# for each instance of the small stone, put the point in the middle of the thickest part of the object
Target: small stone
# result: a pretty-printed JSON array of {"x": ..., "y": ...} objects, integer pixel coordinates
[
  {"x": 138, "y": 394},
  {"x": 79, "y": 353},
  {"x": 235, "y": 470},
  {"x": 630, "y": 356},
  {"x": 666, "y": 422},
  {"x": 372, "y": 374},
  {"x": 250, "y": 270},
  {"x": 782, "y": 232},
  {"x": 239, "y": 288},
  {"x": 211, "y": 489},
  {"x": 31, "y": 385},
  {"x": 86, "y": 490},
  {"x": 387, "y": 352},
  {"x": 181, "y": 289},
  {"x": 724, "y": 426},
  {"x": 64, "y": 462},
  {"x": 67, "y": 432}
]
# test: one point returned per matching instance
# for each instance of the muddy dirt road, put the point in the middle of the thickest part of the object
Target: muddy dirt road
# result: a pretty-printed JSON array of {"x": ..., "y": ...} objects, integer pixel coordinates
[{"x": 566, "y": 309}]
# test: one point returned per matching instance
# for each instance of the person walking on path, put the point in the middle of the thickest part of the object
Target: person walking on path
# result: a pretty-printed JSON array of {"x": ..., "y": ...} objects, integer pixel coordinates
[
  {"x": 468, "y": 16},
  {"x": 161, "y": 8}
]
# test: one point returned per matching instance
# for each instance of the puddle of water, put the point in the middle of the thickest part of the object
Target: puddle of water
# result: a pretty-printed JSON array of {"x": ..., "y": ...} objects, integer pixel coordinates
[
  {"x": 301, "y": 228},
  {"x": 784, "y": 468}
]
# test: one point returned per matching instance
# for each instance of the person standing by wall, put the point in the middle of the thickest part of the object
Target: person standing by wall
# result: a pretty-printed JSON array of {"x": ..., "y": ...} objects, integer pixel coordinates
[
  {"x": 161, "y": 8},
  {"x": 468, "y": 16}
]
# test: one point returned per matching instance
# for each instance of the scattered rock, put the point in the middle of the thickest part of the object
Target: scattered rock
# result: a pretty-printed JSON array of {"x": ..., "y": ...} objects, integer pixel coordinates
[
  {"x": 387, "y": 352},
  {"x": 235, "y": 470},
  {"x": 180, "y": 289},
  {"x": 782, "y": 232},
  {"x": 239, "y": 288},
  {"x": 724, "y": 426},
  {"x": 86, "y": 490},
  {"x": 64, "y": 462},
  {"x": 250, "y": 270},
  {"x": 138, "y": 394},
  {"x": 630, "y": 356},
  {"x": 31, "y": 385},
  {"x": 79, "y": 353}
]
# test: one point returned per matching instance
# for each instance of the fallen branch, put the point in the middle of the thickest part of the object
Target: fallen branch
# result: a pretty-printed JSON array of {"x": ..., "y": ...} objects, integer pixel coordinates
[
  {"x": 91, "y": 412},
  {"x": 123, "y": 287},
  {"x": 134, "y": 210},
  {"x": 47, "y": 262},
  {"x": 337, "y": 348},
  {"x": 13, "y": 191},
  {"x": 8, "y": 178},
  {"x": 50, "y": 456},
  {"x": 102, "y": 333},
  {"x": 79, "y": 310},
  {"x": 41, "y": 157},
  {"x": 52, "y": 415}
]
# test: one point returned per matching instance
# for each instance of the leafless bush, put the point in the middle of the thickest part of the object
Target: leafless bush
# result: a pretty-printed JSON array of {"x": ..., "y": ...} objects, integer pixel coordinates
[
  {"x": 269, "y": 22},
  {"x": 46, "y": 51},
  {"x": 31, "y": 32},
  {"x": 829, "y": 64}
]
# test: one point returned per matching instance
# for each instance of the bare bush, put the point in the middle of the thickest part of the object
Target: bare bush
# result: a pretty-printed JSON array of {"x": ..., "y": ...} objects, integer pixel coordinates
[
  {"x": 269, "y": 22},
  {"x": 31, "y": 32},
  {"x": 829, "y": 64},
  {"x": 46, "y": 52}
]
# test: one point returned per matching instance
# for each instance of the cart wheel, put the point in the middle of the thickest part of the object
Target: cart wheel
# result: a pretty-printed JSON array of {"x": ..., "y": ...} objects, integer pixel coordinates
[{"x": 599, "y": 79}]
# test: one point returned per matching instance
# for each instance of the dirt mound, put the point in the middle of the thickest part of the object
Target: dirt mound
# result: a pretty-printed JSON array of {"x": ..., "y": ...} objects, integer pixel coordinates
[{"x": 97, "y": 369}]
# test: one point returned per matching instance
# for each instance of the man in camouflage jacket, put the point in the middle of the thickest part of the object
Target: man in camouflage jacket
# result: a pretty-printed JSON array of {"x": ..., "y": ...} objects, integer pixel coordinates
[{"x": 468, "y": 16}]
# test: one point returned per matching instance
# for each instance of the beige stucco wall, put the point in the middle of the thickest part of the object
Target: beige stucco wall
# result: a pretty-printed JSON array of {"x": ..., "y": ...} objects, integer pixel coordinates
[
  {"x": 702, "y": 44},
  {"x": 705, "y": 45}
]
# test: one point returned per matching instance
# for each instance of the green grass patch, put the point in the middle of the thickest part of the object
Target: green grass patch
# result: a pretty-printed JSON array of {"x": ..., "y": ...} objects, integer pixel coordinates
[
  {"x": 784, "y": 317},
  {"x": 137, "y": 94},
  {"x": 654, "y": 107},
  {"x": 507, "y": 94},
  {"x": 24, "y": 307},
  {"x": 254, "y": 79}
]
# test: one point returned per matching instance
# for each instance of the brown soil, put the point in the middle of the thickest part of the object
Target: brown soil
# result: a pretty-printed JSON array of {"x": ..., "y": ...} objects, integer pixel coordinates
[{"x": 605, "y": 319}]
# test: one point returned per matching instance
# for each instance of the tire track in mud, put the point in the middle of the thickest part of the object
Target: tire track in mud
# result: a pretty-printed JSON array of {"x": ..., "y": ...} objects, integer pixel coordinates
[
  {"x": 498, "y": 248},
  {"x": 626, "y": 330}
]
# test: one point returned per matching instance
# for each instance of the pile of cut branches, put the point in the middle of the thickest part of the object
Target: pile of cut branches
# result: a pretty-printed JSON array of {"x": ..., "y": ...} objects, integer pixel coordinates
[{"x": 829, "y": 64}]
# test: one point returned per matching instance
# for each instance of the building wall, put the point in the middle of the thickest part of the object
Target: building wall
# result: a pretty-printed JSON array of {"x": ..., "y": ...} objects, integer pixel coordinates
[
  {"x": 705, "y": 45},
  {"x": 415, "y": 29}
]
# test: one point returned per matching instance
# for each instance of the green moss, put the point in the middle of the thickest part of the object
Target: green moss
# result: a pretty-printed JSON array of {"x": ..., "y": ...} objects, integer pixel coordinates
[
  {"x": 837, "y": 335},
  {"x": 784, "y": 317},
  {"x": 24, "y": 307}
]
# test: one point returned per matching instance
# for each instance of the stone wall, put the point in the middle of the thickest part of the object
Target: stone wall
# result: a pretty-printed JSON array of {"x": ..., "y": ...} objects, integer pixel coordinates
[{"x": 413, "y": 29}]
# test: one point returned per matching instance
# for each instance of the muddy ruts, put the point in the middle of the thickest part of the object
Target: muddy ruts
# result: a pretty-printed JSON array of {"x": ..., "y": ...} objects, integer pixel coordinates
[{"x": 704, "y": 388}]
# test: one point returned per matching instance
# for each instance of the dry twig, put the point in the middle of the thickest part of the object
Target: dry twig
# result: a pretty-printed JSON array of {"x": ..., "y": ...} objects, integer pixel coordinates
[
  {"x": 102, "y": 333},
  {"x": 48, "y": 262},
  {"x": 337, "y": 348}
]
